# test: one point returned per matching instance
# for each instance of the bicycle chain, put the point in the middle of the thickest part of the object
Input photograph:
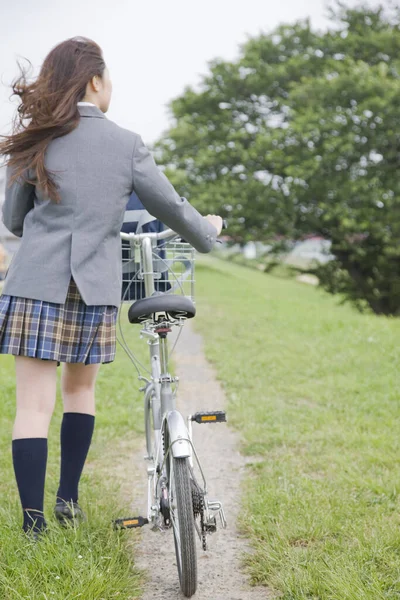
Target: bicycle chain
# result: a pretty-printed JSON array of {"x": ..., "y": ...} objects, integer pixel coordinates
[{"x": 198, "y": 510}]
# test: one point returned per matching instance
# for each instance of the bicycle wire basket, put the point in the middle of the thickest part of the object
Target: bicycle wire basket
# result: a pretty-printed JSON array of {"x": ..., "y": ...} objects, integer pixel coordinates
[{"x": 173, "y": 269}]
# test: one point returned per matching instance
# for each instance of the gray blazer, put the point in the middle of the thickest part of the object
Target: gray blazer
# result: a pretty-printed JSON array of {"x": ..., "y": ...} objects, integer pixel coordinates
[{"x": 98, "y": 166}]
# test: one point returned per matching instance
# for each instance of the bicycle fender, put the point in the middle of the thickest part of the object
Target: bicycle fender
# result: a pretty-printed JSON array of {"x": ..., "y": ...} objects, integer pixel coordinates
[{"x": 178, "y": 435}]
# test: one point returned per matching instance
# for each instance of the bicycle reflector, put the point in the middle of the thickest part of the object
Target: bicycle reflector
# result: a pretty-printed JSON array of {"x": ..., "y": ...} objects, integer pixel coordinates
[
  {"x": 129, "y": 523},
  {"x": 218, "y": 416}
]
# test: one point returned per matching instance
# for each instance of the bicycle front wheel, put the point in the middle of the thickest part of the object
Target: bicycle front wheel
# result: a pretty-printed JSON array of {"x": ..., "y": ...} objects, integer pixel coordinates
[{"x": 181, "y": 507}]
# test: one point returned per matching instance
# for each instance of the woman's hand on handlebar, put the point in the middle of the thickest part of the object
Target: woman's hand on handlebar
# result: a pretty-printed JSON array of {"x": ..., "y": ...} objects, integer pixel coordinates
[{"x": 216, "y": 221}]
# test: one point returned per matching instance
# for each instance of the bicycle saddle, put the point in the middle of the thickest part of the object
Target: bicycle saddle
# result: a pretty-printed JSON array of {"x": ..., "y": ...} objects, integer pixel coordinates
[{"x": 175, "y": 306}]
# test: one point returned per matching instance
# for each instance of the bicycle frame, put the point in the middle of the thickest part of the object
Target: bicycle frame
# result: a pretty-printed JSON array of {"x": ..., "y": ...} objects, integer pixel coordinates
[
  {"x": 168, "y": 436},
  {"x": 159, "y": 401}
]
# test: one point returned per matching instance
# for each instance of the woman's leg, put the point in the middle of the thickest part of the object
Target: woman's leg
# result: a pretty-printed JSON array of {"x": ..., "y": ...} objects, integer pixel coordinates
[
  {"x": 78, "y": 392},
  {"x": 36, "y": 382}
]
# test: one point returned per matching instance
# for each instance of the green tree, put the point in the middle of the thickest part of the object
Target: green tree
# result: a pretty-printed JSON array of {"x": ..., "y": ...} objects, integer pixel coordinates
[{"x": 301, "y": 135}]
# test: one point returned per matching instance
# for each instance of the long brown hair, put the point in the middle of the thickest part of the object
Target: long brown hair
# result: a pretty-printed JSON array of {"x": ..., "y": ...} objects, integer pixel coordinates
[{"x": 48, "y": 108}]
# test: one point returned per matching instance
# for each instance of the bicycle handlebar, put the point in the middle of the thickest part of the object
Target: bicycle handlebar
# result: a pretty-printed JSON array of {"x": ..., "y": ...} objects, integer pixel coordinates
[
  {"x": 159, "y": 235},
  {"x": 138, "y": 237}
]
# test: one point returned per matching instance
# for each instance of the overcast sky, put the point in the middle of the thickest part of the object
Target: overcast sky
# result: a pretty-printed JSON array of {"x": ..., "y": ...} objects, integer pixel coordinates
[{"x": 153, "y": 48}]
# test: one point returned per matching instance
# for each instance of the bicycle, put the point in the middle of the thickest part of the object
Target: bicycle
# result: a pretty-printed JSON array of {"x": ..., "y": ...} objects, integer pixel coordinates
[{"x": 176, "y": 486}]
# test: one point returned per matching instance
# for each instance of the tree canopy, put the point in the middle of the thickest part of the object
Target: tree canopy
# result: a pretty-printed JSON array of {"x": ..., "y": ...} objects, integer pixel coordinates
[{"x": 300, "y": 135}]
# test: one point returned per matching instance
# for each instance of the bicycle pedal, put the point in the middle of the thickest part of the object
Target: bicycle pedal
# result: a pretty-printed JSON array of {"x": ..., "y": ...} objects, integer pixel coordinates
[
  {"x": 130, "y": 523},
  {"x": 217, "y": 416}
]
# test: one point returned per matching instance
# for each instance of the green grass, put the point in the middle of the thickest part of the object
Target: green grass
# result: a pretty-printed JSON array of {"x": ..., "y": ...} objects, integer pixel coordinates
[
  {"x": 314, "y": 389},
  {"x": 92, "y": 562}
]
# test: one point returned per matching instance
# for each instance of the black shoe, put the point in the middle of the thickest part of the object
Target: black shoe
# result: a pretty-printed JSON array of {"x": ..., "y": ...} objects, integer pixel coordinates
[
  {"x": 34, "y": 524},
  {"x": 68, "y": 512},
  {"x": 34, "y": 534}
]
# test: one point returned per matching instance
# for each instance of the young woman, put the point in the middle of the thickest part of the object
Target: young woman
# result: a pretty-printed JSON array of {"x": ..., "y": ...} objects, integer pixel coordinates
[{"x": 70, "y": 174}]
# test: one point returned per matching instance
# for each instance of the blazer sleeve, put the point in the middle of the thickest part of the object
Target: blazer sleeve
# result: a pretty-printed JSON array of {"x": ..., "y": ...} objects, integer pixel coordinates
[
  {"x": 162, "y": 201},
  {"x": 19, "y": 200}
]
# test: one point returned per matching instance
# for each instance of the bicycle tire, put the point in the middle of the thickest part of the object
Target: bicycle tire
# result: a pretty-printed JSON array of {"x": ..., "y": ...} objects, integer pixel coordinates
[{"x": 183, "y": 520}]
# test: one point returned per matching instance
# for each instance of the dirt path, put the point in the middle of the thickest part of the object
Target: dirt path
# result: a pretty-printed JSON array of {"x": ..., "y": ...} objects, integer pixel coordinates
[{"x": 219, "y": 569}]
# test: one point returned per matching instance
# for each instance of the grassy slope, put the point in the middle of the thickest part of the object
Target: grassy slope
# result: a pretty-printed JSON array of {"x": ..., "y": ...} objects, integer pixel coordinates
[{"x": 314, "y": 389}]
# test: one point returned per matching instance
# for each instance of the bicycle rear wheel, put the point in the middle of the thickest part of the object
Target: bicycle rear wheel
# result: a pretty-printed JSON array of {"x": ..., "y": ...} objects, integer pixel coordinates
[{"x": 182, "y": 518}]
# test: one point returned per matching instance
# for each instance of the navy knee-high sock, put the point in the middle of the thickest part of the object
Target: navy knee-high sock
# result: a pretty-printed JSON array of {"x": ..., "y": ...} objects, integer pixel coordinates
[
  {"x": 76, "y": 436},
  {"x": 30, "y": 461}
]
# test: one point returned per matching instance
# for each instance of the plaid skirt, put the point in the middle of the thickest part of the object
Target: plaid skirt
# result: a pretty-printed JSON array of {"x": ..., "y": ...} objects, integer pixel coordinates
[{"x": 72, "y": 332}]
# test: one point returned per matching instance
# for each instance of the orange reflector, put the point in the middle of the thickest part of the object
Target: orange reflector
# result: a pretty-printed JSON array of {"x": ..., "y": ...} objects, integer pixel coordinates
[
  {"x": 131, "y": 522},
  {"x": 209, "y": 418}
]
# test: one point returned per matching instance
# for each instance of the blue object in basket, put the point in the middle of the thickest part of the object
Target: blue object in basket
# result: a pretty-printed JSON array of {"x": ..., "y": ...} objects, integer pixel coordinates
[{"x": 138, "y": 220}]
